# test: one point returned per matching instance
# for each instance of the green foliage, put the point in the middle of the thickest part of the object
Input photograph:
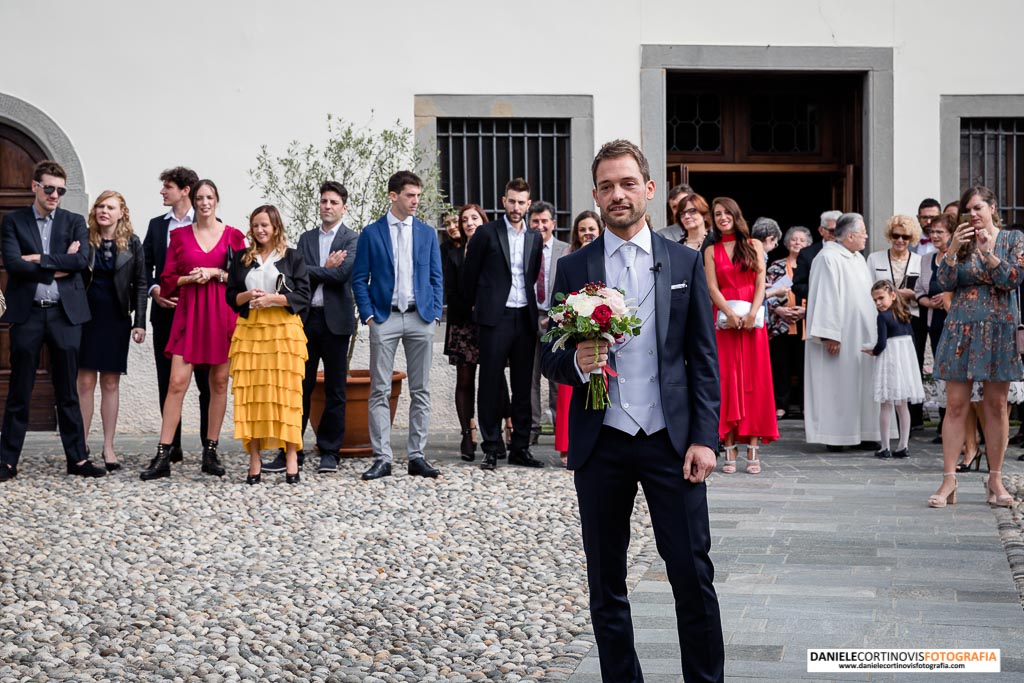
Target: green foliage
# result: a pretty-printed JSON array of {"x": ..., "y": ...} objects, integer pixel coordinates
[{"x": 360, "y": 158}]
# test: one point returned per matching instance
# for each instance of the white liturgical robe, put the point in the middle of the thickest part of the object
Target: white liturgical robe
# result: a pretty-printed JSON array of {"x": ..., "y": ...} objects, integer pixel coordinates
[{"x": 839, "y": 407}]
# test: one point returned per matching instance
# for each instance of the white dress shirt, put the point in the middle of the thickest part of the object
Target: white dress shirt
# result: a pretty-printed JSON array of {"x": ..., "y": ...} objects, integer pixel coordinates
[
  {"x": 546, "y": 267},
  {"x": 45, "y": 226},
  {"x": 264, "y": 275},
  {"x": 402, "y": 249},
  {"x": 516, "y": 246},
  {"x": 326, "y": 239}
]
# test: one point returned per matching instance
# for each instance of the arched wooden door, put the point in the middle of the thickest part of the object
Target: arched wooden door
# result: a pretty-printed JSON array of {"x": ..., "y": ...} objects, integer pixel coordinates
[{"x": 18, "y": 156}]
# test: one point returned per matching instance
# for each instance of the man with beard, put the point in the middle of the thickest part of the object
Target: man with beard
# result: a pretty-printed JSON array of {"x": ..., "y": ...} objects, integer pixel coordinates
[
  {"x": 660, "y": 428},
  {"x": 502, "y": 264}
]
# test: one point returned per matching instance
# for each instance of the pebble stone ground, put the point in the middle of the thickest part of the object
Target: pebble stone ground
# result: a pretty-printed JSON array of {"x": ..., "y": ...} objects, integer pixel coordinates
[{"x": 480, "y": 576}]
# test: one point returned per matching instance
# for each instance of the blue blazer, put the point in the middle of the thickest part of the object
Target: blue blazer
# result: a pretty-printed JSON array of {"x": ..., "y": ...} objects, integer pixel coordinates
[
  {"x": 373, "y": 274},
  {"x": 20, "y": 235},
  {"x": 687, "y": 349}
]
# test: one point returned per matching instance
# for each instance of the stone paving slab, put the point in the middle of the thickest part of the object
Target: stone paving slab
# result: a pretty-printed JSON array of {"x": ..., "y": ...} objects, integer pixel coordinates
[{"x": 840, "y": 550}]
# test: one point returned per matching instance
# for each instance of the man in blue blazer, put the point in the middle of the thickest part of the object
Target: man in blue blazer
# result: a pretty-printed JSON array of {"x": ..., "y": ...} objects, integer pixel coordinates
[
  {"x": 661, "y": 426},
  {"x": 398, "y": 287},
  {"x": 44, "y": 253}
]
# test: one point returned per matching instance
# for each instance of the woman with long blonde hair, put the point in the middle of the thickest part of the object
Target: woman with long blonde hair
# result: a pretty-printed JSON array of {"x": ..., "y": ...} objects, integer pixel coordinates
[
  {"x": 269, "y": 289},
  {"x": 115, "y": 288}
]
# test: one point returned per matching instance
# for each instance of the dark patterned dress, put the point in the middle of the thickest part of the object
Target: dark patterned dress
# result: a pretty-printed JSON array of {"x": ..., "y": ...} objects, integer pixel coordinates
[{"x": 979, "y": 340}]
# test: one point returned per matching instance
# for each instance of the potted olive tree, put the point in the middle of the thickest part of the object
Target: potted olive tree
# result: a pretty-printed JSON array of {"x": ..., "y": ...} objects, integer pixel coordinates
[{"x": 362, "y": 159}]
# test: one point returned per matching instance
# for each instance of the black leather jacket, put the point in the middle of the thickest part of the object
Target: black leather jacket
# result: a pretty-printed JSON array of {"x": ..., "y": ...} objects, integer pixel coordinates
[{"x": 129, "y": 280}]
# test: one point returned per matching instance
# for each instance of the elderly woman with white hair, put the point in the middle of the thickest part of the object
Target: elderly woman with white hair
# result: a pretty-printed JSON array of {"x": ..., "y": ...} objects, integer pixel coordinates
[{"x": 786, "y": 325}]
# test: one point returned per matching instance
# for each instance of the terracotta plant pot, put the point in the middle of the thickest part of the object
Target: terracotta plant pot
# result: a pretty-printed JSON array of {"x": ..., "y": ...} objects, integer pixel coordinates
[{"x": 357, "y": 423}]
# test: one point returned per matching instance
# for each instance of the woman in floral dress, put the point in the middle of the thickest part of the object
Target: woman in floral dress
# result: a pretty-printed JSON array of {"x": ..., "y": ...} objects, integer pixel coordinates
[{"x": 982, "y": 269}]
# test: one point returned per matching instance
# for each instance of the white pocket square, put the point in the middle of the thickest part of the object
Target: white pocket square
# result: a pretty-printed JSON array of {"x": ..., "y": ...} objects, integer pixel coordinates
[{"x": 681, "y": 285}]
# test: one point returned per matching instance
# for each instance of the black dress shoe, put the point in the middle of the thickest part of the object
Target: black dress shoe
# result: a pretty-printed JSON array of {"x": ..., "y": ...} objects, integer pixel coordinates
[
  {"x": 1019, "y": 458},
  {"x": 1017, "y": 439},
  {"x": 276, "y": 465},
  {"x": 884, "y": 453},
  {"x": 160, "y": 465},
  {"x": 490, "y": 461},
  {"x": 937, "y": 439},
  {"x": 867, "y": 446},
  {"x": 86, "y": 469},
  {"x": 834, "y": 449},
  {"x": 523, "y": 458},
  {"x": 176, "y": 454},
  {"x": 7, "y": 473},
  {"x": 328, "y": 463},
  {"x": 291, "y": 478},
  {"x": 380, "y": 468},
  {"x": 211, "y": 461},
  {"x": 419, "y": 467},
  {"x": 901, "y": 453}
]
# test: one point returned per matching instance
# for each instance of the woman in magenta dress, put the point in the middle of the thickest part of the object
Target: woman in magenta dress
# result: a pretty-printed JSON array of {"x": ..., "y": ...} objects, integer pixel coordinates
[
  {"x": 196, "y": 273},
  {"x": 736, "y": 280}
]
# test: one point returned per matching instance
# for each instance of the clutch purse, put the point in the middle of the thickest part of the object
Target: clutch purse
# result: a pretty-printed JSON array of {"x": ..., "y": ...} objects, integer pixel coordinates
[
  {"x": 742, "y": 309},
  {"x": 1020, "y": 339}
]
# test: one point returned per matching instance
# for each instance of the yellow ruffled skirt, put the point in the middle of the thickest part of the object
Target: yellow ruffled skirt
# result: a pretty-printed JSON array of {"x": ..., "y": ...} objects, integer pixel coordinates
[{"x": 268, "y": 361}]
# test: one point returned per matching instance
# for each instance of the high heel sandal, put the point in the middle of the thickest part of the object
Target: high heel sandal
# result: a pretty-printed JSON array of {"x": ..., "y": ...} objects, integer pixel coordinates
[
  {"x": 753, "y": 462},
  {"x": 999, "y": 501},
  {"x": 937, "y": 501},
  {"x": 730, "y": 465},
  {"x": 251, "y": 479},
  {"x": 975, "y": 460},
  {"x": 468, "y": 446}
]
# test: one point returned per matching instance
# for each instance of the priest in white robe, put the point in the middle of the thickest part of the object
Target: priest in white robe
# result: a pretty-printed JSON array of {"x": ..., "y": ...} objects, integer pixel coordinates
[{"x": 839, "y": 406}]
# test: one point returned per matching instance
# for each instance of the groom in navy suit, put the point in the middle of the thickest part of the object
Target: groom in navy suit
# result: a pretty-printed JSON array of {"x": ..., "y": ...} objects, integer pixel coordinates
[
  {"x": 398, "y": 287},
  {"x": 660, "y": 429},
  {"x": 44, "y": 253}
]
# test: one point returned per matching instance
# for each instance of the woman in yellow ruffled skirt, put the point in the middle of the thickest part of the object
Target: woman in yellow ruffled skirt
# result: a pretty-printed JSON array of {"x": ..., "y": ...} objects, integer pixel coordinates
[{"x": 269, "y": 288}]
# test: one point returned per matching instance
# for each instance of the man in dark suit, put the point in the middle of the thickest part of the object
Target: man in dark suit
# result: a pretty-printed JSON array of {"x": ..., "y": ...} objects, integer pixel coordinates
[
  {"x": 802, "y": 273},
  {"x": 660, "y": 428},
  {"x": 502, "y": 264},
  {"x": 399, "y": 288},
  {"x": 44, "y": 253},
  {"x": 177, "y": 183},
  {"x": 330, "y": 251}
]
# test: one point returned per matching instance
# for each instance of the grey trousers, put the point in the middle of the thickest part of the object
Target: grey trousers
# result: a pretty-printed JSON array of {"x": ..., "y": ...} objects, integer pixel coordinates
[{"x": 417, "y": 339}]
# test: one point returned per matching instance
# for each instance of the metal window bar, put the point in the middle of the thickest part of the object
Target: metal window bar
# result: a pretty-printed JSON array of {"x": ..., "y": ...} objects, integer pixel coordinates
[
  {"x": 493, "y": 151},
  {"x": 992, "y": 154}
]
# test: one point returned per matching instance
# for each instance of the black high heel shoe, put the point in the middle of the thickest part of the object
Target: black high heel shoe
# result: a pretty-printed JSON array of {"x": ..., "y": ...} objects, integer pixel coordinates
[
  {"x": 468, "y": 446},
  {"x": 251, "y": 479},
  {"x": 291, "y": 478},
  {"x": 965, "y": 466}
]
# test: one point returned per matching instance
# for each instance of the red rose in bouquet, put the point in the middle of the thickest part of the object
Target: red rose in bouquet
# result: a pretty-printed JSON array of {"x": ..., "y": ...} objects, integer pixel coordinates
[{"x": 602, "y": 316}]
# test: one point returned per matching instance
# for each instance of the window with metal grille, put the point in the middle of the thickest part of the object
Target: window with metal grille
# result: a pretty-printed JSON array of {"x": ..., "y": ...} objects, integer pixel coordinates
[
  {"x": 479, "y": 156},
  {"x": 992, "y": 154}
]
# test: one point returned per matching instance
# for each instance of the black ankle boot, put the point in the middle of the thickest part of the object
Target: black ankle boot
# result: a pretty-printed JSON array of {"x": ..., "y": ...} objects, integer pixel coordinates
[
  {"x": 160, "y": 465},
  {"x": 211, "y": 461}
]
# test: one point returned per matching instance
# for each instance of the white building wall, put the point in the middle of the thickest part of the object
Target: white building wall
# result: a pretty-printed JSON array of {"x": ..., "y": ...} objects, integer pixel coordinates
[{"x": 140, "y": 87}]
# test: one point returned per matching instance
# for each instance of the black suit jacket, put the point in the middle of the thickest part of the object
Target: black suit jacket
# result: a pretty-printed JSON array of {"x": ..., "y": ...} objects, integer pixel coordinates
[
  {"x": 154, "y": 248},
  {"x": 130, "y": 281},
  {"x": 687, "y": 350},
  {"x": 294, "y": 285},
  {"x": 802, "y": 272},
  {"x": 20, "y": 236},
  {"x": 487, "y": 271},
  {"x": 339, "y": 306},
  {"x": 460, "y": 306}
]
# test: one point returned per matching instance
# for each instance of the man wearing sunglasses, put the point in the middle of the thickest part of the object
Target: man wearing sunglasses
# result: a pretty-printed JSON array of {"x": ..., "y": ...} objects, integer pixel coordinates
[{"x": 44, "y": 253}]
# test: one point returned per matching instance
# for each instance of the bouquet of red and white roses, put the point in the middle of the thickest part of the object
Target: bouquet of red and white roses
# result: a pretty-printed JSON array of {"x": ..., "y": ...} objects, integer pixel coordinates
[{"x": 594, "y": 312}]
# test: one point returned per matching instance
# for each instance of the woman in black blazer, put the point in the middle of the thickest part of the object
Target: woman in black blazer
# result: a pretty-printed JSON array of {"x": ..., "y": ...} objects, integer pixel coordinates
[
  {"x": 115, "y": 287},
  {"x": 269, "y": 288}
]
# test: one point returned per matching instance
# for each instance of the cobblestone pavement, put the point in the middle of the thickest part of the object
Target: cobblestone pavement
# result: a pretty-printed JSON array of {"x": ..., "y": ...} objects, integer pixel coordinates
[
  {"x": 480, "y": 576},
  {"x": 830, "y": 550}
]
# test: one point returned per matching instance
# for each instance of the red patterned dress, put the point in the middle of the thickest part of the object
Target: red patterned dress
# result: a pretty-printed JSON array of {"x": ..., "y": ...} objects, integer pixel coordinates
[{"x": 744, "y": 365}]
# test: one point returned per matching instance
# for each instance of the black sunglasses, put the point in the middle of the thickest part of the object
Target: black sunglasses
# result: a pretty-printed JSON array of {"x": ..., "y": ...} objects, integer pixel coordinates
[
  {"x": 902, "y": 238},
  {"x": 50, "y": 189}
]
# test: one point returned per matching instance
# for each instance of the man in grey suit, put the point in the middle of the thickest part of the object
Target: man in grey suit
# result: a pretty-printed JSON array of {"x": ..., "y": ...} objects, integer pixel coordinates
[
  {"x": 542, "y": 221},
  {"x": 329, "y": 251},
  {"x": 673, "y": 231}
]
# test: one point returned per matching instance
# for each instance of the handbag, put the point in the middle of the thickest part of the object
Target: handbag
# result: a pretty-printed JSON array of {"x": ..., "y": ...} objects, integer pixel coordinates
[
  {"x": 740, "y": 308},
  {"x": 1020, "y": 339}
]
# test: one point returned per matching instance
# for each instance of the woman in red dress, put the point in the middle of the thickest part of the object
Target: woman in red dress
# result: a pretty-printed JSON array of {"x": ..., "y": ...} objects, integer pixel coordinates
[
  {"x": 736, "y": 280},
  {"x": 196, "y": 273}
]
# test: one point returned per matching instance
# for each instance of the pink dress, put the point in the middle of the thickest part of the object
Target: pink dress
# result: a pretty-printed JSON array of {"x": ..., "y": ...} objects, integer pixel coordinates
[{"x": 203, "y": 321}]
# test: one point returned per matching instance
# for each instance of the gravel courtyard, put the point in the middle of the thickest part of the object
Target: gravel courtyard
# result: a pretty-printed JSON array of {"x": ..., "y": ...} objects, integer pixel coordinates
[{"x": 475, "y": 576}]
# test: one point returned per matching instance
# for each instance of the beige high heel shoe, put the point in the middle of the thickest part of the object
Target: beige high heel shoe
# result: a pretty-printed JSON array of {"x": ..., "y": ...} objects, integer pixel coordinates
[
  {"x": 753, "y": 462},
  {"x": 937, "y": 501},
  {"x": 730, "y": 465},
  {"x": 999, "y": 501}
]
